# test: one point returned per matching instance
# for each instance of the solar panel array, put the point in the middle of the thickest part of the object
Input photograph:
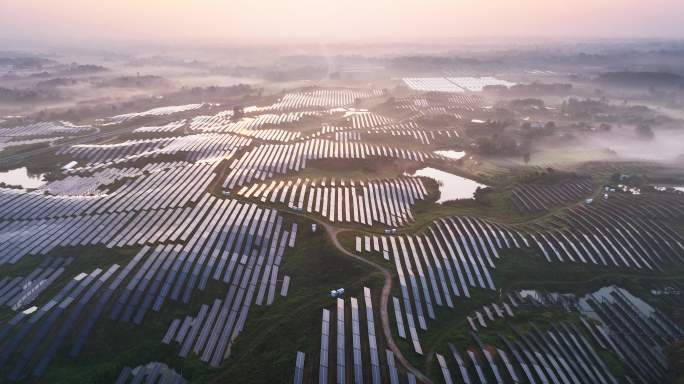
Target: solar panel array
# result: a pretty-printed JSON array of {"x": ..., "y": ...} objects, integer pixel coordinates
[
  {"x": 228, "y": 241},
  {"x": 415, "y": 132},
  {"x": 439, "y": 265},
  {"x": 367, "y": 202},
  {"x": 299, "y": 368},
  {"x": 469, "y": 246},
  {"x": 456, "y": 254},
  {"x": 432, "y": 84},
  {"x": 319, "y": 99},
  {"x": 44, "y": 129},
  {"x": 638, "y": 336},
  {"x": 152, "y": 195},
  {"x": 570, "y": 351},
  {"x": 623, "y": 231},
  {"x": 18, "y": 292},
  {"x": 37, "y": 333},
  {"x": 93, "y": 181},
  {"x": 169, "y": 188},
  {"x": 154, "y": 372},
  {"x": 532, "y": 197},
  {"x": 258, "y": 126},
  {"x": 347, "y": 136},
  {"x": 204, "y": 147},
  {"x": 161, "y": 111},
  {"x": 367, "y": 120},
  {"x": 8, "y": 141},
  {"x": 453, "y": 84},
  {"x": 265, "y": 161},
  {"x": 251, "y": 272},
  {"x": 492, "y": 312},
  {"x": 477, "y": 84},
  {"x": 36, "y": 224},
  {"x": 561, "y": 354},
  {"x": 438, "y": 103},
  {"x": 361, "y": 360},
  {"x": 166, "y": 128}
]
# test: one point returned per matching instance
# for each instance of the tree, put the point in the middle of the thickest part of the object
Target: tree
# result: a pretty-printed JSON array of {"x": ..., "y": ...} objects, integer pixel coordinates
[
  {"x": 645, "y": 131},
  {"x": 238, "y": 112}
]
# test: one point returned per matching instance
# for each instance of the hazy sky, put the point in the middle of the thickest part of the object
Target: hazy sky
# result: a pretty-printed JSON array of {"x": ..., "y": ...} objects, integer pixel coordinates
[{"x": 352, "y": 20}]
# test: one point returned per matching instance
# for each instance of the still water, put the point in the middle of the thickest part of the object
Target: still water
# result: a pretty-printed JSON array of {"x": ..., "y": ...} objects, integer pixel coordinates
[
  {"x": 21, "y": 177},
  {"x": 451, "y": 187},
  {"x": 451, "y": 154}
]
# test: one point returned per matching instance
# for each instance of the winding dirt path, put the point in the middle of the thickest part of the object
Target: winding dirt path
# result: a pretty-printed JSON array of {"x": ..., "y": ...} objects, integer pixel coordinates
[
  {"x": 384, "y": 295},
  {"x": 384, "y": 302}
]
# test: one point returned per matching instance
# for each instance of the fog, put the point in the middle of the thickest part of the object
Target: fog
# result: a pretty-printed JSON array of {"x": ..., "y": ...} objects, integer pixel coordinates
[{"x": 665, "y": 146}]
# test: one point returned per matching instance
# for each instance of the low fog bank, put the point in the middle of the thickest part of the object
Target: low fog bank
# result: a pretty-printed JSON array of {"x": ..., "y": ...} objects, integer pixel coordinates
[{"x": 666, "y": 145}]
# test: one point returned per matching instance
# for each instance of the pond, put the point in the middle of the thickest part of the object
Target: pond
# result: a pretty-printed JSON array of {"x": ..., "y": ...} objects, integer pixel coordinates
[
  {"x": 451, "y": 187},
  {"x": 451, "y": 154},
  {"x": 605, "y": 295},
  {"x": 21, "y": 177}
]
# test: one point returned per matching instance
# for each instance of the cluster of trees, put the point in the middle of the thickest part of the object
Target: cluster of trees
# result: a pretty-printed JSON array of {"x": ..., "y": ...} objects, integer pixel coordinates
[
  {"x": 135, "y": 81},
  {"x": 8, "y": 95},
  {"x": 497, "y": 145},
  {"x": 533, "y": 88},
  {"x": 642, "y": 79},
  {"x": 85, "y": 68},
  {"x": 645, "y": 131},
  {"x": 583, "y": 109},
  {"x": 9, "y": 186},
  {"x": 526, "y": 104},
  {"x": 56, "y": 82},
  {"x": 24, "y": 62},
  {"x": 530, "y": 131},
  {"x": 215, "y": 92}
]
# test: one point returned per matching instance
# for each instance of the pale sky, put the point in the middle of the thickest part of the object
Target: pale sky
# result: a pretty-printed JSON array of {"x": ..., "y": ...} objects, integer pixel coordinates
[{"x": 352, "y": 20}]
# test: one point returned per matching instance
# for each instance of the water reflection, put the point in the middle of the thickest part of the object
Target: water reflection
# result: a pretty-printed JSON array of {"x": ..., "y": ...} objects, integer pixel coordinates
[
  {"x": 451, "y": 187},
  {"x": 607, "y": 294},
  {"x": 451, "y": 154},
  {"x": 21, "y": 177}
]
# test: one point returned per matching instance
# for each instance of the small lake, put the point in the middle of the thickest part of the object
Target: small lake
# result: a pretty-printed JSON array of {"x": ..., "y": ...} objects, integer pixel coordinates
[
  {"x": 451, "y": 154},
  {"x": 21, "y": 177},
  {"x": 451, "y": 187},
  {"x": 604, "y": 294}
]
